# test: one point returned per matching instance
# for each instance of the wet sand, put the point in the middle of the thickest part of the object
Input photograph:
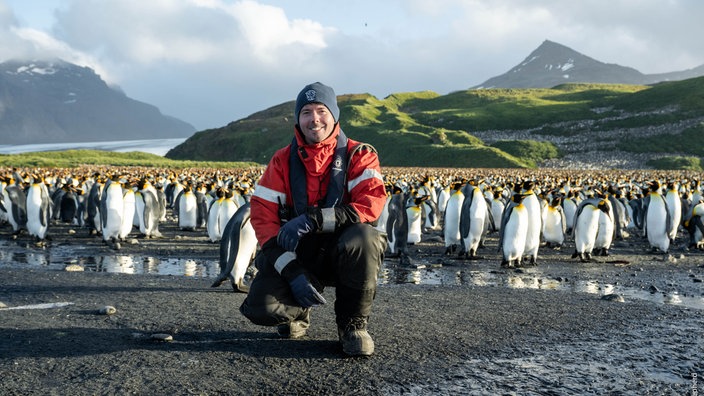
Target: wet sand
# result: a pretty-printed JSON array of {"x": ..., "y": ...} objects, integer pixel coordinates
[{"x": 478, "y": 329}]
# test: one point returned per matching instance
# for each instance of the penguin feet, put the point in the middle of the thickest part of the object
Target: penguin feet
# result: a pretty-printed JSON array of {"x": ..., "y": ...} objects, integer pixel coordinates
[{"x": 240, "y": 287}]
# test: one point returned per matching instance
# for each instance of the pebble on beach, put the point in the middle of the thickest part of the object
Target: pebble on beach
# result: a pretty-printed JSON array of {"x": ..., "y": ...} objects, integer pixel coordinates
[
  {"x": 74, "y": 268},
  {"x": 107, "y": 310},
  {"x": 613, "y": 297},
  {"x": 162, "y": 337}
]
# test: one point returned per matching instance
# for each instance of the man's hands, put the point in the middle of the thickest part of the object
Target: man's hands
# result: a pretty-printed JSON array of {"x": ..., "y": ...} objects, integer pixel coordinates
[
  {"x": 293, "y": 230},
  {"x": 304, "y": 292}
]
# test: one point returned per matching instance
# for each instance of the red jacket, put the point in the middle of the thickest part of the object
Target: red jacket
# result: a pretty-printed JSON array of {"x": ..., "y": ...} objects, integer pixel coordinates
[{"x": 365, "y": 185}]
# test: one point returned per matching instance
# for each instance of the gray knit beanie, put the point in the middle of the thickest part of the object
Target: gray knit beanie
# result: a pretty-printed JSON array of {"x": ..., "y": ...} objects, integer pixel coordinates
[{"x": 317, "y": 93}]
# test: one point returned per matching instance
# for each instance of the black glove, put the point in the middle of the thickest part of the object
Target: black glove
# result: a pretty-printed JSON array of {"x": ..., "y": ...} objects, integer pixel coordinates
[
  {"x": 293, "y": 230},
  {"x": 304, "y": 292}
]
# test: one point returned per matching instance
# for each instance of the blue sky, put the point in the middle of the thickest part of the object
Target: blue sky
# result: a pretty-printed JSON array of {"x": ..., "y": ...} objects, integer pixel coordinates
[{"x": 210, "y": 62}]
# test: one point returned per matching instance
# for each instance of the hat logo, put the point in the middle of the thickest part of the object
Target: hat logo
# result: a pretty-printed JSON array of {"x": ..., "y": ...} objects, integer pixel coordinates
[{"x": 310, "y": 95}]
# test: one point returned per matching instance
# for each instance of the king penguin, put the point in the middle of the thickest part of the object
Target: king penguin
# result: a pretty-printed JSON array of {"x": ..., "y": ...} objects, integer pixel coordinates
[
  {"x": 112, "y": 208},
  {"x": 674, "y": 209},
  {"x": 15, "y": 201},
  {"x": 451, "y": 223},
  {"x": 657, "y": 219},
  {"x": 532, "y": 205},
  {"x": 695, "y": 226},
  {"x": 498, "y": 204},
  {"x": 512, "y": 234},
  {"x": 607, "y": 229},
  {"x": 38, "y": 208},
  {"x": 569, "y": 207},
  {"x": 397, "y": 226},
  {"x": 187, "y": 209},
  {"x": 237, "y": 249},
  {"x": 473, "y": 221},
  {"x": 586, "y": 226},
  {"x": 147, "y": 209},
  {"x": 93, "y": 205},
  {"x": 415, "y": 219},
  {"x": 555, "y": 223}
]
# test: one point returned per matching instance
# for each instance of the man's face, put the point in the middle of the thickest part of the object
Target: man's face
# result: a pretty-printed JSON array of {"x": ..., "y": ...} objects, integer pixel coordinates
[{"x": 316, "y": 122}]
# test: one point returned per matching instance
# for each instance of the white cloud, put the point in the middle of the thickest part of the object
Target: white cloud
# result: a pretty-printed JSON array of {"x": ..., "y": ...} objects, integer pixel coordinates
[{"x": 213, "y": 61}]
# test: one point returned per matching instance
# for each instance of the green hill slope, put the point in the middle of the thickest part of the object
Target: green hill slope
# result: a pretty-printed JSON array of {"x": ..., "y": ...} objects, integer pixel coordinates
[{"x": 432, "y": 130}]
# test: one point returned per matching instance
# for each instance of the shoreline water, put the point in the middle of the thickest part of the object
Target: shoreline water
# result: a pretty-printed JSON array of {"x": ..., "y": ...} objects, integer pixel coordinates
[{"x": 152, "y": 146}]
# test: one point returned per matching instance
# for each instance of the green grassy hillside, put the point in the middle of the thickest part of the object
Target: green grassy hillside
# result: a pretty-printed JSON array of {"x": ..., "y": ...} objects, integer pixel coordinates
[{"x": 428, "y": 129}]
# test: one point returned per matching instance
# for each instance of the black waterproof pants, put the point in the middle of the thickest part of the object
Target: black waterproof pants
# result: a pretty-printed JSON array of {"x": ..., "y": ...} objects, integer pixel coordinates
[{"x": 348, "y": 259}]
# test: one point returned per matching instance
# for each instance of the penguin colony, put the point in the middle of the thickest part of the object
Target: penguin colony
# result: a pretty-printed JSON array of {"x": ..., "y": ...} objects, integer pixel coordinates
[
  {"x": 116, "y": 203},
  {"x": 527, "y": 210}
]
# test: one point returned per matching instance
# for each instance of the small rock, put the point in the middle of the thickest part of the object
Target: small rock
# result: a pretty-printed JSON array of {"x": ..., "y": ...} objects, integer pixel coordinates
[
  {"x": 71, "y": 232},
  {"x": 696, "y": 280},
  {"x": 653, "y": 289},
  {"x": 613, "y": 297},
  {"x": 74, "y": 268},
  {"x": 133, "y": 241},
  {"x": 108, "y": 310},
  {"x": 162, "y": 337},
  {"x": 680, "y": 256}
]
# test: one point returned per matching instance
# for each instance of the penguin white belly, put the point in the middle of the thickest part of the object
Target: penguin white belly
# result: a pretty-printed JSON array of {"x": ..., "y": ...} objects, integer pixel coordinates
[
  {"x": 227, "y": 210},
  {"x": 414, "y": 224},
  {"x": 139, "y": 210},
  {"x": 552, "y": 227},
  {"x": 213, "y": 227},
  {"x": 451, "y": 225},
  {"x": 656, "y": 225},
  {"x": 443, "y": 198},
  {"x": 245, "y": 254},
  {"x": 497, "y": 209},
  {"x": 187, "y": 212},
  {"x": 114, "y": 207},
  {"x": 674, "y": 206},
  {"x": 586, "y": 229},
  {"x": 37, "y": 219},
  {"x": 570, "y": 209},
  {"x": 128, "y": 213},
  {"x": 605, "y": 233},
  {"x": 534, "y": 225},
  {"x": 514, "y": 235}
]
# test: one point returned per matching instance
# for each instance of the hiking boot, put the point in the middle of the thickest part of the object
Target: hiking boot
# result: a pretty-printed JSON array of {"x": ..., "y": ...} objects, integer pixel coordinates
[
  {"x": 355, "y": 339},
  {"x": 295, "y": 328}
]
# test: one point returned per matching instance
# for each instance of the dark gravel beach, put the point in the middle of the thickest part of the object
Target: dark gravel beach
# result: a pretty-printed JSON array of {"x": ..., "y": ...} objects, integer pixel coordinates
[{"x": 468, "y": 327}]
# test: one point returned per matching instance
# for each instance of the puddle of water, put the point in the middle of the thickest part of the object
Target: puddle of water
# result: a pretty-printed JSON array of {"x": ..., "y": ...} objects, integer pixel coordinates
[{"x": 390, "y": 273}]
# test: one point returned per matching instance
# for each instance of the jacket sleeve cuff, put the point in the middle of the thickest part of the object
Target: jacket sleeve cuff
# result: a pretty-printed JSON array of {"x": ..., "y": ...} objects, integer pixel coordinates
[
  {"x": 329, "y": 220},
  {"x": 284, "y": 259}
]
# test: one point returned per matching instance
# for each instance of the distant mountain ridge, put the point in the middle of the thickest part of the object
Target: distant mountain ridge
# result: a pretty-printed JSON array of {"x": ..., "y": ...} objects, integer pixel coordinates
[
  {"x": 552, "y": 64},
  {"x": 60, "y": 102}
]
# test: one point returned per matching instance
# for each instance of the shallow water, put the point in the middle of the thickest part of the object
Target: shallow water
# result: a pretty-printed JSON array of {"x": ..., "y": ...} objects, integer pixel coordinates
[
  {"x": 58, "y": 259},
  {"x": 153, "y": 146}
]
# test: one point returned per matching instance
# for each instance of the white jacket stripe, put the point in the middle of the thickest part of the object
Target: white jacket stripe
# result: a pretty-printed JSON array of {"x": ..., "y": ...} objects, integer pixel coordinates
[
  {"x": 268, "y": 194},
  {"x": 366, "y": 175}
]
